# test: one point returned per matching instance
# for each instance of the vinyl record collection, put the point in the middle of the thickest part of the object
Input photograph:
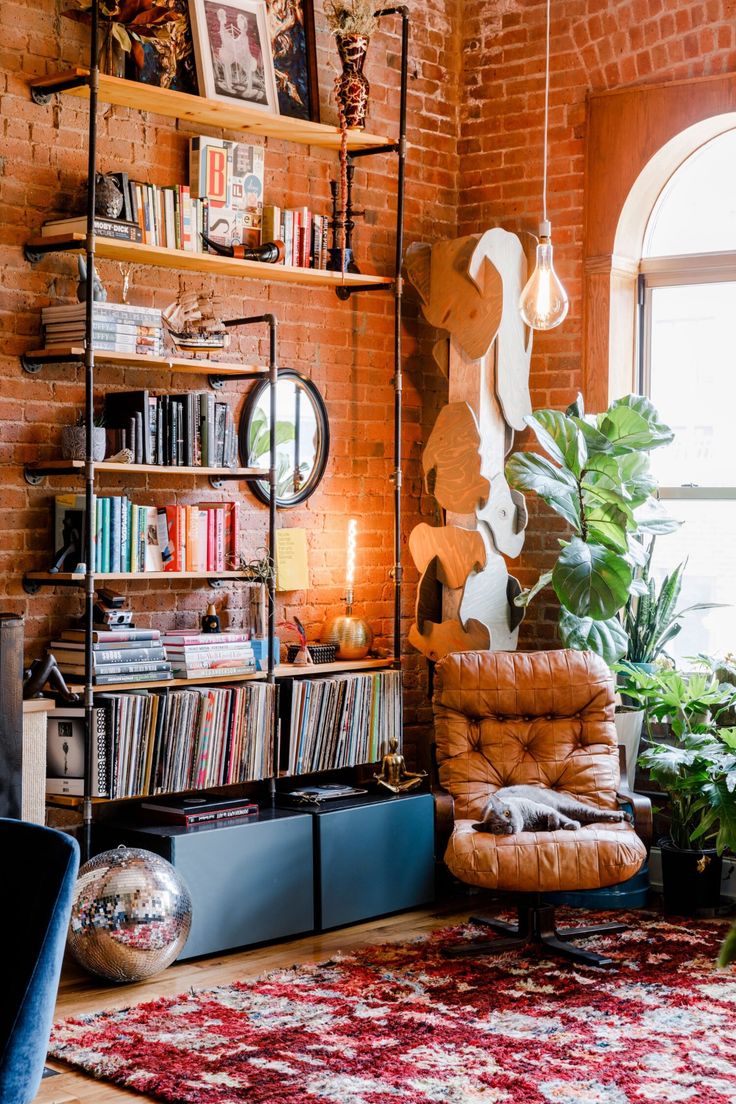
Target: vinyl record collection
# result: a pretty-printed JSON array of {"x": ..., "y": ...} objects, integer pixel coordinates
[
  {"x": 343, "y": 721},
  {"x": 149, "y": 742}
]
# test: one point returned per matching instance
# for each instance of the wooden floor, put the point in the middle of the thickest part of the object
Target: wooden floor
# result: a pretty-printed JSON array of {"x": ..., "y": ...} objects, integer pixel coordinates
[{"x": 79, "y": 993}]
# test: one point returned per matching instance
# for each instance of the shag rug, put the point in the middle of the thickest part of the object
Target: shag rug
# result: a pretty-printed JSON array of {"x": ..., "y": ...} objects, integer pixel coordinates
[{"x": 401, "y": 1024}]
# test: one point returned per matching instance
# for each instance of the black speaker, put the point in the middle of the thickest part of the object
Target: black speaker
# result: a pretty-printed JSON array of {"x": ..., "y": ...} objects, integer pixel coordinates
[{"x": 11, "y": 713}]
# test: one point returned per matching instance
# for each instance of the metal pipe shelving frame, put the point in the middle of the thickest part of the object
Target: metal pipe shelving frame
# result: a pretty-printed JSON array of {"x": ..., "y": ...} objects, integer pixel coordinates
[{"x": 399, "y": 148}]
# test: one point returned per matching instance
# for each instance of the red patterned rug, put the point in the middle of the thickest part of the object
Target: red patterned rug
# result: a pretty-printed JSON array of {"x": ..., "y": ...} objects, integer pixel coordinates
[{"x": 401, "y": 1024}]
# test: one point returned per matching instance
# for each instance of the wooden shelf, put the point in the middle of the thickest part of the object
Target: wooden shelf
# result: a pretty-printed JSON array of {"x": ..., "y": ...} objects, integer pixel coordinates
[
  {"x": 289, "y": 670},
  {"x": 113, "y": 249},
  {"x": 204, "y": 112},
  {"x": 282, "y": 670},
  {"x": 60, "y": 354},
  {"x": 174, "y": 683},
  {"x": 71, "y": 467},
  {"x": 68, "y": 578}
]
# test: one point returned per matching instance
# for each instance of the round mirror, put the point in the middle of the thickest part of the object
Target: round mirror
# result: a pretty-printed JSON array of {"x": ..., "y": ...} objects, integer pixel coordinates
[{"x": 302, "y": 437}]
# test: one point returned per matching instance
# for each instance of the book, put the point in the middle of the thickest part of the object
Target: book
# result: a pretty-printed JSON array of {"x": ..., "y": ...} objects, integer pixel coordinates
[
  {"x": 112, "y": 636},
  {"x": 221, "y": 671},
  {"x": 206, "y": 639},
  {"x": 104, "y": 227},
  {"x": 189, "y": 811},
  {"x": 69, "y": 652}
]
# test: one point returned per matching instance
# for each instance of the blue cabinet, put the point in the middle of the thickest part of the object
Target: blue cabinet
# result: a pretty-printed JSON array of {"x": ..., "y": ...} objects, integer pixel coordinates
[
  {"x": 250, "y": 881},
  {"x": 373, "y": 856}
]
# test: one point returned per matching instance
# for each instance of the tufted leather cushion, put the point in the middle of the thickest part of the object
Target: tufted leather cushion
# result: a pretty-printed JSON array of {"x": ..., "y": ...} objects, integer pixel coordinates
[{"x": 543, "y": 718}]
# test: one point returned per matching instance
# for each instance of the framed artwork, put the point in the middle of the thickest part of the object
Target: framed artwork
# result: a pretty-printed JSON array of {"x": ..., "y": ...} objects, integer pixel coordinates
[
  {"x": 232, "y": 48},
  {"x": 291, "y": 24}
]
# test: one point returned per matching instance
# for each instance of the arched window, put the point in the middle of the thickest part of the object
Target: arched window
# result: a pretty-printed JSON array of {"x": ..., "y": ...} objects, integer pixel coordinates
[{"x": 688, "y": 368}]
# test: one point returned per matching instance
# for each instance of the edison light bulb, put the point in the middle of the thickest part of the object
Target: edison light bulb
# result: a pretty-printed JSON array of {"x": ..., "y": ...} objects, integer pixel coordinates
[{"x": 543, "y": 302}]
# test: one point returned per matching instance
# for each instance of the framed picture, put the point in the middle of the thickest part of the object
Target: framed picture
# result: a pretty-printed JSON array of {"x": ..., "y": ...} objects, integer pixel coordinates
[
  {"x": 291, "y": 23},
  {"x": 232, "y": 48}
]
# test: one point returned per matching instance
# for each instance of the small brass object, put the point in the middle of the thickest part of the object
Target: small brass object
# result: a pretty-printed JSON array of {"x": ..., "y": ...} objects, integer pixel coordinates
[{"x": 394, "y": 776}]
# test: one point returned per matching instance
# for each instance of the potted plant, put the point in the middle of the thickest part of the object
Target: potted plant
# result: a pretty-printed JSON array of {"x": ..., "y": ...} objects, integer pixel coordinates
[
  {"x": 651, "y": 620},
  {"x": 74, "y": 439},
  {"x": 697, "y": 771},
  {"x": 597, "y": 478}
]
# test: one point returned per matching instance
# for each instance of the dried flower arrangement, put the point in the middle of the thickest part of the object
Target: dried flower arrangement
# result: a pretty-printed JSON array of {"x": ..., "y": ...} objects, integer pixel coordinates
[{"x": 350, "y": 17}]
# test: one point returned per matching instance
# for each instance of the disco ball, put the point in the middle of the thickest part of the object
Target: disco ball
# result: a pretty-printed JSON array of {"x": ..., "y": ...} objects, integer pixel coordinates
[{"x": 131, "y": 915}]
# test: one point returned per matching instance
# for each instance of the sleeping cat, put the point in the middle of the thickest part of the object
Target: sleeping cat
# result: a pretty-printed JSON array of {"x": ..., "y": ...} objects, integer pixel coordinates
[{"x": 515, "y": 809}]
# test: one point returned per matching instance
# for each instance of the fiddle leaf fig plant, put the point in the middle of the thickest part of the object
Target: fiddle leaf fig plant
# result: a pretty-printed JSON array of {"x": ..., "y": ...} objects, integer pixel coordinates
[{"x": 597, "y": 478}]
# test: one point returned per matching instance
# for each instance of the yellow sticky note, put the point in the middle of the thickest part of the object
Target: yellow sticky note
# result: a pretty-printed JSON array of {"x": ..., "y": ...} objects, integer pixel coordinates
[{"x": 292, "y": 567}]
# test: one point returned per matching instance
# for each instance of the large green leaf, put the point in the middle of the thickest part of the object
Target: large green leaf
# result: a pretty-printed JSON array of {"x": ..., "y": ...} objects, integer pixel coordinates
[
  {"x": 559, "y": 436},
  {"x": 630, "y": 430},
  {"x": 636, "y": 476},
  {"x": 591, "y": 580},
  {"x": 601, "y": 479},
  {"x": 652, "y": 517},
  {"x": 606, "y": 638},
  {"x": 606, "y": 524},
  {"x": 646, "y": 408},
  {"x": 525, "y": 471},
  {"x": 596, "y": 442}
]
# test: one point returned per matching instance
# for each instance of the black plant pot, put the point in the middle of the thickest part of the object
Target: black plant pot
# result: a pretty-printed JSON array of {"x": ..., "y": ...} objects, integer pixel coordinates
[{"x": 691, "y": 880}]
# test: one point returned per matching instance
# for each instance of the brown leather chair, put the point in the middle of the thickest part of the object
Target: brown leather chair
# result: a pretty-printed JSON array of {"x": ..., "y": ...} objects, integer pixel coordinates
[{"x": 543, "y": 718}]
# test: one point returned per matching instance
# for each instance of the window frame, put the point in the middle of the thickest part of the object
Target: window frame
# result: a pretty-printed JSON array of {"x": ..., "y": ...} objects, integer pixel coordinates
[{"x": 678, "y": 271}]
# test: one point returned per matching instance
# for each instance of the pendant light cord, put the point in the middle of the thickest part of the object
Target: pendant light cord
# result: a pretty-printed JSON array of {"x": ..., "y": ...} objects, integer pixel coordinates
[{"x": 546, "y": 114}]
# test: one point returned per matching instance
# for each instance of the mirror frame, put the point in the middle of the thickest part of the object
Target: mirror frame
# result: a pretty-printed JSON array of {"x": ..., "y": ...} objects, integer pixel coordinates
[{"x": 260, "y": 487}]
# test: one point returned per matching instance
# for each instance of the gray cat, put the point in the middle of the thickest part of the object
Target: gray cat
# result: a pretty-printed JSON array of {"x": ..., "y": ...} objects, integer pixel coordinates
[{"x": 515, "y": 809}]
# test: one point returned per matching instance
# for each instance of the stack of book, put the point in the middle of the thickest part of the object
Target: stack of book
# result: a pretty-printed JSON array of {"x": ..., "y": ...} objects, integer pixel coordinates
[
  {"x": 343, "y": 721},
  {"x": 116, "y": 327},
  {"x": 190, "y": 430},
  {"x": 190, "y": 811},
  {"x": 133, "y": 538},
  {"x": 198, "y": 655},
  {"x": 118, "y": 655},
  {"x": 304, "y": 234}
]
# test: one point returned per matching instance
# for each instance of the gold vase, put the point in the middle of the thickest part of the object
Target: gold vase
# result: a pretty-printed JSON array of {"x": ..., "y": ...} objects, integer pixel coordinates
[{"x": 352, "y": 635}]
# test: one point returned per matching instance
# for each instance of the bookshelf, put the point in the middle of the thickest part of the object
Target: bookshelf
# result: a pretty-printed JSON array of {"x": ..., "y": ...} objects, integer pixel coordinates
[
  {"x": 97, "y": 88},
  {"x": 35, "y": 359},
  {"x": 129, "y": 252},
  {"x": 201, "y": 111},
  {"x": 38, "y": 469}
]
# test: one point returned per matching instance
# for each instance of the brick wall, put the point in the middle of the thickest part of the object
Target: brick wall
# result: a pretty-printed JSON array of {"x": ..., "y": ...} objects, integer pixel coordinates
[
  {"x": 595, "y": 45},
  {"x": 345, "y": 347}
]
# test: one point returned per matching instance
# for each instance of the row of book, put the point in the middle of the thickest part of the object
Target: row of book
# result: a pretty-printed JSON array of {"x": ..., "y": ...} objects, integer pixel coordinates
[
  {"x": 132, "y": 538},
  {"x": 149, "y": 742},
  {"x": 188, "y": 430},
  {"x": 343, "y": 721},
  {"x": 116, "y": 327},
  {"x": 124, "y": 655},
  {"x": 223, "y": 201},
  {"x": 199, "y": 655}
]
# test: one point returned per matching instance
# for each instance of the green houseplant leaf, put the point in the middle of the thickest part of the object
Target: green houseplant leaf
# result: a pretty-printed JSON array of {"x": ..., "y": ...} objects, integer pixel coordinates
[
  {"x": 596, "y": 476},
  {"x": 591, "y": 580},
  {"x": 606, "y": 638},
  {"x": 556, "y": 486}
]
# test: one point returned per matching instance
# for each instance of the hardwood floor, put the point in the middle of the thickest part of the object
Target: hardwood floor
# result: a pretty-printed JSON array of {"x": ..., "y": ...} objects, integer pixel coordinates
[{"x": 80, "y": 993}]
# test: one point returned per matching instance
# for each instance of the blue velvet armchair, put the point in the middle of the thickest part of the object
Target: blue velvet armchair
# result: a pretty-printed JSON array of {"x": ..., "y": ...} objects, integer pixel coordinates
[{"x": 38, "y": 868}]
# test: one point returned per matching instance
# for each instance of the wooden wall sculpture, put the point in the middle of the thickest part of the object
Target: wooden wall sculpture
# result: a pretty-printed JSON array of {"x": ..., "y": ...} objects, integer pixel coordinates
[{"x": 470, "y": 287}]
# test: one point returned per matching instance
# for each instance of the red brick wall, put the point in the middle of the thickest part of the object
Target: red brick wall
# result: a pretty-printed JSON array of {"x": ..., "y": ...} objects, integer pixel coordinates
[
  {"x": 595, "y": 46},
  {"x": 345, "y": 347}
]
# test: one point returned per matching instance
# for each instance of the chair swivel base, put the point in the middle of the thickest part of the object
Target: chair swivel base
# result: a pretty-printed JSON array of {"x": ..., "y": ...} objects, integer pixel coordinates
[{"x": 536, "y": 925}]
